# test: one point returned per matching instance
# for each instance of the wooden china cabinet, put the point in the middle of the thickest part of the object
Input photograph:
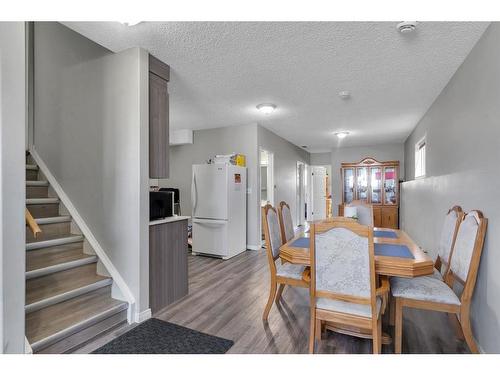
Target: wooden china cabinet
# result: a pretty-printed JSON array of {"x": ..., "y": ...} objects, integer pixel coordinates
[{"x": 373, "y": 182}]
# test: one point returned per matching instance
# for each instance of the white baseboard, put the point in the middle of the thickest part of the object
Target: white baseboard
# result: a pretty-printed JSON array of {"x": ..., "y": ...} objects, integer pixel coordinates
[
  {"x": 143, "y": 315},
  {"x": 27, "y": 347},
  {"x": 253, "y": 247},
  {"x": 117, "y": 278}
]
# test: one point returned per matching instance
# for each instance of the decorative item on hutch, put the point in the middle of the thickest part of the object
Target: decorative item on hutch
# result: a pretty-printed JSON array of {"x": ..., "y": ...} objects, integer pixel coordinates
[{"x": 376, "y": 183}]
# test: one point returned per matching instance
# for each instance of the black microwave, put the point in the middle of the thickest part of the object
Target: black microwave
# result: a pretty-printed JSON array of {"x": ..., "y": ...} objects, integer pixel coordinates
[{"x": 161, "y": 204}]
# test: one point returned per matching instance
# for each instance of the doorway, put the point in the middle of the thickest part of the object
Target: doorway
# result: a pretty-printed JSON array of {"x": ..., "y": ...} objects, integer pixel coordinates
[
  {"x": 266, "y": 191},
  {"x": 321, "y": 199},
  {"x": 301, "y": 196}
]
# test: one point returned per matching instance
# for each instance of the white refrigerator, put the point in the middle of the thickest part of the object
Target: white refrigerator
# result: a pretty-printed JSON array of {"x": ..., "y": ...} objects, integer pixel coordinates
[{"x": 218, "y": 198}]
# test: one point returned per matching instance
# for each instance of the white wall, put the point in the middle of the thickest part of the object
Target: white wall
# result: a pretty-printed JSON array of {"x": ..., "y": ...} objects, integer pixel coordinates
[
  {"x": 12, "y": 186},
  {"x": 463, "y": 150},
  {"x": 354, "y": 154},
  {"x": 286, "y": 156},
  {"x": 91, "y": 129},
  {"x": 208, "y": 143}
]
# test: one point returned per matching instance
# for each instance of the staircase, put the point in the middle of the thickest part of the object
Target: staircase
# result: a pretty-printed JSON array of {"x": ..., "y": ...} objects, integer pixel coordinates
[{"x": 68, "y": 302}]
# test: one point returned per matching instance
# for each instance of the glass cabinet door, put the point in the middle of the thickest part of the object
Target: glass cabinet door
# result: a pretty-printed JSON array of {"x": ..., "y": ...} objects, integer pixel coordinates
[
  {"x": 390, "y": 185},
  {"x": 376, "y": 185},
  {"x": 348, "y": 185},
  {"x": 362, "y": 183}
]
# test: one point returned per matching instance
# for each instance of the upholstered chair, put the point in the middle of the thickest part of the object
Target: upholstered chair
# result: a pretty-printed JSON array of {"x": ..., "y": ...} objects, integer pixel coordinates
[
  {"x": 447, "y": 239},
  {"x": 432, "y": 293},
  {"x": 281, "y": 273},
  {"x": 343, "y": 285},
  {"x": 364, "y": 212},
  {"x": 286, "y": 223}
]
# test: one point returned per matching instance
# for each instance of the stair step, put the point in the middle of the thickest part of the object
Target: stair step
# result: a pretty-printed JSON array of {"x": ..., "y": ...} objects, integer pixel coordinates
[
  {"x": 37, "y": 192},
  {"x": 53, "y": 324},
  {"x": 49, "y": 231},
  {"x": 31, "y": 167},
  {"x": 37, "y": 183},
  {"x": 53, "y": 240},
  {"x": 49, "y": 255},
  {"x": 42, "y": 200},
  {"x": 55, "y": 262},
  {"x": 52, "y": 220},
  {"x": 60, "y": 286}
]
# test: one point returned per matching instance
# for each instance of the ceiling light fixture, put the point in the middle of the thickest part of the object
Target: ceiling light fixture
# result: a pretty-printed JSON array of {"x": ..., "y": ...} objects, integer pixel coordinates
[
  {"x": 130, "y": 23},
  {"x": 341, "y": 135},
  {"x": 407, "y": 27},
  {"x": 344, "y": 95},
  {"x": 266, "y": 108}
]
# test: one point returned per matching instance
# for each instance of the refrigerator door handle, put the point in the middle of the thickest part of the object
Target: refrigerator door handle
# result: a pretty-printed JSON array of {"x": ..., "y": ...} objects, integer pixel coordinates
[{"x": 210, "y": 221}]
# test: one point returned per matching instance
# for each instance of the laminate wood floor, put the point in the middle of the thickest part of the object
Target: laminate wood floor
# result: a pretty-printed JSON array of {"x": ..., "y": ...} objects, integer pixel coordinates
[{"x": 227, "y": 298}]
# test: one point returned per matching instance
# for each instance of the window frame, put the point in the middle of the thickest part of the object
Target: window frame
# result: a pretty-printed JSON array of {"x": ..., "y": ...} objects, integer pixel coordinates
[{"x": 421, "y": 158}]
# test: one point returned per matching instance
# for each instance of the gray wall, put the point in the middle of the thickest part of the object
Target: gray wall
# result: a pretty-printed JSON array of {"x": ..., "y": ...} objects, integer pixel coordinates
[
  {"x": 90, "y": 126},
  {"x": 12, "y": 186},
  {"x": 322, "y": 158},
  {"x": 355, "y": 154},
  {"x": 285, "y": 159},
  {"x": 208, "y": 143},
  {"x": 463, "y": 150}
]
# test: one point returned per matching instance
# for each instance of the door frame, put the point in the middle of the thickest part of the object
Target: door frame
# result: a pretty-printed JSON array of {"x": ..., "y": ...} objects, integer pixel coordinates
[
  {"x": 270, "y": 183},
  {"x": 300, "y": 193}
]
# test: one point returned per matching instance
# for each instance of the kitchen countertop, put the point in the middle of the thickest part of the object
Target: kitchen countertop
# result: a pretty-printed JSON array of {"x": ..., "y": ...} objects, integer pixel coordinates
[{"x": 169, "y": 220}]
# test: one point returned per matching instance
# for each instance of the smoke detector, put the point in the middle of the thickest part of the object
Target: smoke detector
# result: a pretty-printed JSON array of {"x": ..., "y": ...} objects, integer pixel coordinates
[{"x": 407, "y": 27}]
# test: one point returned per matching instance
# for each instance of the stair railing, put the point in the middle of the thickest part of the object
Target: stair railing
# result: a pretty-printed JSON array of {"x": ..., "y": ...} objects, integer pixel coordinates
[{"x": 30, "y": 221}]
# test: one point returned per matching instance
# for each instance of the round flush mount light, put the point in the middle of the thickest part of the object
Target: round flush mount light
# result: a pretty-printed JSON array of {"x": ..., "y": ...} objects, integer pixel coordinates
[
  {"x": 266, "y": 108},
  {"x": 341, "y": 135},
  {"x": 345, "y": 94},
  {"x": 407, "y": 27},
  {"x": 130, "y": 23}
]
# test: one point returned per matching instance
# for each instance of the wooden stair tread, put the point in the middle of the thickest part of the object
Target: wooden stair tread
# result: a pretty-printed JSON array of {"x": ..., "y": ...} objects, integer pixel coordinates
[
  {"x": 61, "y": 282},
  {"x": 42, "y": 259},
  {"x": 50, "y": 320},
  {"x": 52, "y": 236}
]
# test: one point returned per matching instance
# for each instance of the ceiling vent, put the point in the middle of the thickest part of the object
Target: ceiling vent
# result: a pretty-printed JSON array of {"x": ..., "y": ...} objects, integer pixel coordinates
[{"x": 407, "y": 27}]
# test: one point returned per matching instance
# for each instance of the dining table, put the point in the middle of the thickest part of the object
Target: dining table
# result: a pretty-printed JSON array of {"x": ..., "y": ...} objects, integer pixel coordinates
[{"x": 396, "y": 254}]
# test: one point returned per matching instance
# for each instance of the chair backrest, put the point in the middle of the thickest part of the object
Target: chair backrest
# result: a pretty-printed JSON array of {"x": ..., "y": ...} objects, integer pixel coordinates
[
  {"x": 466, "y": 254},
  {"x": 364, "y": 212},
  {"x": 342, "y": 262},
  {"x": 272, "y": 234},
  {"x": 448, "y": 236},
  {"x": 286, "y": 223}
]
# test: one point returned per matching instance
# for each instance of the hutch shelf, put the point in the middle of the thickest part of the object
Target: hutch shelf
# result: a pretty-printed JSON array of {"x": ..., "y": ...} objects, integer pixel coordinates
[{"x": 376, "y": 183}]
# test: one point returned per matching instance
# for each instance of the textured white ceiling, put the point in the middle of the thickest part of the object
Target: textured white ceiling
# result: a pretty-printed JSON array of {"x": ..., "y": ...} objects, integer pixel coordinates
[{"x": 220, "y": 71}]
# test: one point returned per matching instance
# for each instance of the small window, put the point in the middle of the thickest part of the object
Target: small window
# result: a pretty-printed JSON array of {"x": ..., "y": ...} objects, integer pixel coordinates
[{"x": 420, "y": 159}]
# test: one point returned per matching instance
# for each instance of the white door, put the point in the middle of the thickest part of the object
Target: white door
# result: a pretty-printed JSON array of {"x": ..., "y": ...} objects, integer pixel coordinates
[
  {"x": 209, "y": 191},
  {"x": 318, "y": 193}
]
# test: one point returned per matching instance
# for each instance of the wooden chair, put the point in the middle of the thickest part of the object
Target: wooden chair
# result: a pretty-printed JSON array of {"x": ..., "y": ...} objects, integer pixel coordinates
[
  {"x": 364, "y": 212},
  {"x": 343, "y": 290},
  {"x": 286, "y": 223},
  {"x": 281, "y": 273},
  {"x": 431, "y": 293}
]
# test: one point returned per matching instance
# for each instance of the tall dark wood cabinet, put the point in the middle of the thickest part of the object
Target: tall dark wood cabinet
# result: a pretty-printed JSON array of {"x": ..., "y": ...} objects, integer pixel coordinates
[
  {"x": 168, "y": 267},
  {"x": 373, "y": 182},
  {"x": 159, "y": 76}
]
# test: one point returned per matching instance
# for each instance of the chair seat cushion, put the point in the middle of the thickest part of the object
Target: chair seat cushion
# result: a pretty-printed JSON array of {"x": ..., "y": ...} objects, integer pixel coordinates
[
  {"x": 424, "y": 288},
  {"x": 437, "y": 275},
  {"x": 347, "y": 307},
  {"x": 292, "y": 271}
]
